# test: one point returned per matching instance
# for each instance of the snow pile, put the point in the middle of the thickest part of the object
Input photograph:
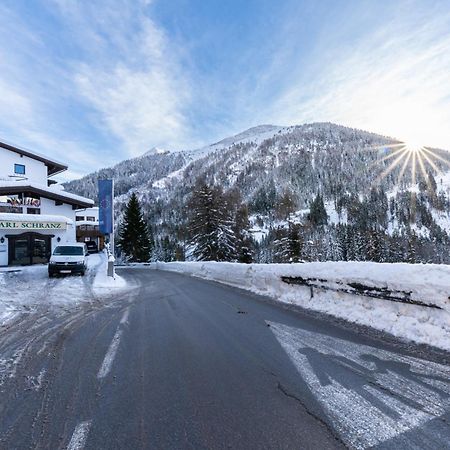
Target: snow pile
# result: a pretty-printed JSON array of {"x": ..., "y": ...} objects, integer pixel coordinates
[
  {"x": 24, "y": 289},
  {"x": 104, "y": 285},
  {"x": 427, "y": 283}
]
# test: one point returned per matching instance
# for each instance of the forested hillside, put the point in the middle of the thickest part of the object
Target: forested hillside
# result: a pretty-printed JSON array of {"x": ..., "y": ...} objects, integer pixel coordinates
[{"x": 279, "y": 194}]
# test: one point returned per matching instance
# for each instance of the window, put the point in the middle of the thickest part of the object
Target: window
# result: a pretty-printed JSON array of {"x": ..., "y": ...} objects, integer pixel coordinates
[
  {"x": 11, "y": 209},
  {"x": 33, "y": 211},
  {"x": 79, "y": 218},
  {"x": 90, "y": 219},
  {"x": 68, "y": 250},
  {"x": 19, "y": 169}
]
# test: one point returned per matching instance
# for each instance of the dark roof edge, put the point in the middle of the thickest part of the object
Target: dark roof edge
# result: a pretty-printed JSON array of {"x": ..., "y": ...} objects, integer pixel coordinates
[
  {"x": 46, "y": 194},
  {"x": 54, "y": 167}
]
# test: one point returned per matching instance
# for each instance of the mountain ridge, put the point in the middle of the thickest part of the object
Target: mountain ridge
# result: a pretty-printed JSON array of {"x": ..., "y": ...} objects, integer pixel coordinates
[{"x": 278, "y": 173}]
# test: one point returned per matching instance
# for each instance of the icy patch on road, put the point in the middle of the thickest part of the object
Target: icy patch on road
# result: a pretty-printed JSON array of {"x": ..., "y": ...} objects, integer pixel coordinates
[
  {"x": 24, "y": 289},
  {"x": 429, "y": 283}
]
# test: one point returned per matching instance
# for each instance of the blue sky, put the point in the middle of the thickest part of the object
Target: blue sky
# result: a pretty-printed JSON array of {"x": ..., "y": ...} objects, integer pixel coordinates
[{"x": 94, "y": 82}]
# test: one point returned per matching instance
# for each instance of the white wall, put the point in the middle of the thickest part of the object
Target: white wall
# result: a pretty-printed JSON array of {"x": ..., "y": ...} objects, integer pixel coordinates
[
  {"x": 65, "y": 236},
  {"x": 88, "y": 212},
  {"x": 35, "y": 171},
  {"x": 48, "y": 207},
  {"x": 3, "y": 252}
]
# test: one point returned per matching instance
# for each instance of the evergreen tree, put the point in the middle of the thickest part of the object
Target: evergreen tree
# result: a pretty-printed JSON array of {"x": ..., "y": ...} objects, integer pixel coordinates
[
  {"x": 294, "y": 248},
  {"x": 211, "y": 225},
  {"x": 279, "y": 243},
  {"x": 134, "y": 238},
  {"x": 318, "y": 213},
  {"x": 411, "y": 255},
  {"x": 374, "y": 251},
  {"x": 285, "y": 205},
  {"x": 244, "y": 241}
]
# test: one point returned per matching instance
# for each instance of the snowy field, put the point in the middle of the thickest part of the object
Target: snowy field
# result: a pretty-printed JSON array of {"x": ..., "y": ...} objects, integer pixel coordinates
[
  {"x": 428, "y": 284},
  {"x": 23, "y": 289}
]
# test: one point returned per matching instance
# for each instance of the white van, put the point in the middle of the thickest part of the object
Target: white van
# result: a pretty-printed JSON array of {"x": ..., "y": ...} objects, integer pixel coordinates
[{"x": 68, "y": 258}]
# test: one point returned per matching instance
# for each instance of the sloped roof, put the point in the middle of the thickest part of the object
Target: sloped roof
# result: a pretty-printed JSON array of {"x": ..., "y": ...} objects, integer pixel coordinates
[
  {"x": 16, "y": 187},
  {"x": 54, "y": 167}
]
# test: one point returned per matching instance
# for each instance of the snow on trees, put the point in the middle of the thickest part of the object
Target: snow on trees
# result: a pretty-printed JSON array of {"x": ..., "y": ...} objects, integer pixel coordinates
[
  {"x": 211, "y": 225},
  {"x": 357, "y": 215},
  {"x": 134, "y": 239}
]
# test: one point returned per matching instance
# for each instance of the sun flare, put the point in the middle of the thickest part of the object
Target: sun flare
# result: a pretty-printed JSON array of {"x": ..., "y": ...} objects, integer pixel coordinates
[
  {"x": 413, "y": 146},
  {"x": 411, "y": 157}
]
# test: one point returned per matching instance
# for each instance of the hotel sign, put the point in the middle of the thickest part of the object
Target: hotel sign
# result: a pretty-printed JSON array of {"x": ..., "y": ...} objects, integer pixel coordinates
[{"x": 22, "y": 225}]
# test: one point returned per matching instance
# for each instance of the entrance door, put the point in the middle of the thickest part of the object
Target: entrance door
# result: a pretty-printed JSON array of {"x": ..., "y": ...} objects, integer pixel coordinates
[
  {"x": 29, "y": 248},
  {"x": 40, "y": 250},
  {"x": 19, "y": 251}
]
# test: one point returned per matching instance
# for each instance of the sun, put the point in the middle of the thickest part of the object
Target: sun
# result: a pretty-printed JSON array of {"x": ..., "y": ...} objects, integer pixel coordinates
[
  {"x": 409, "y": 156},
  {"x": 413, "y": 146}
]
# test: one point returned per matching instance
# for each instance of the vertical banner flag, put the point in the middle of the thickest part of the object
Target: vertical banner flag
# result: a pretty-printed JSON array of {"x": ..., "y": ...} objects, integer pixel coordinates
[{"x": 105, "y": 203}]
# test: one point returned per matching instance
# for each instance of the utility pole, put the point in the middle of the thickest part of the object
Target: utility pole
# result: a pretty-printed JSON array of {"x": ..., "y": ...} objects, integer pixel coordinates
[
  {"x": 111, "y": 258},
  {"x": 106, "y": 218}
]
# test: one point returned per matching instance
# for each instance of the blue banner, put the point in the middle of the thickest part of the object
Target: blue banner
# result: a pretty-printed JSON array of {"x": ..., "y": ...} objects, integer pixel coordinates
[{"x": 105, "y": 203}]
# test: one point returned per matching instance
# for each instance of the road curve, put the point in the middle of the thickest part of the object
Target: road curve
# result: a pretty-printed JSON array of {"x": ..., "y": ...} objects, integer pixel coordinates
[{"x": 181, "y": 363}]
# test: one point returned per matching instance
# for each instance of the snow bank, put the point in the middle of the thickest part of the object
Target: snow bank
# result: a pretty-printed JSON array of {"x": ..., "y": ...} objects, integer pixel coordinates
[
  {"x": 24, "y": 289},
  {"x": 104, "y": 285},
  {"x": 427, "y": 283}
]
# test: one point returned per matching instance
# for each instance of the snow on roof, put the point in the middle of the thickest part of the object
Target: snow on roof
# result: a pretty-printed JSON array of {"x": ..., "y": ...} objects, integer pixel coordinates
[
  {"x": 86, "y": 222},
  {"x": 52, "y": 190},
  {"x": 35, "y": 218},
  {"x": 53, "y": 165}
]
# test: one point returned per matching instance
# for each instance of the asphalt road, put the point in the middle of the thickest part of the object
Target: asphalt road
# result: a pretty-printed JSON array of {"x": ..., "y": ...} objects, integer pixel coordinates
[{"x": 181, "y": 363}]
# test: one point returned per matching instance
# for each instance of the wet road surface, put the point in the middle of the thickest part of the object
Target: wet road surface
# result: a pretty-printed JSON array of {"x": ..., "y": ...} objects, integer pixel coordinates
[{"x": 181, "y": 363}]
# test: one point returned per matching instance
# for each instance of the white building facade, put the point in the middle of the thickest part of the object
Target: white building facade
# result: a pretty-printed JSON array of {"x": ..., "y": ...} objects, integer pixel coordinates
[
  {"x": 87, "y": 226},
  {"x": 35, "y": 213}
]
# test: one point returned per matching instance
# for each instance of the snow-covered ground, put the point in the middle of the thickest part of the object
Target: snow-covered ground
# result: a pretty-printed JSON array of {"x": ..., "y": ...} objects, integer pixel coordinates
[
  {"x": 428, "y": 284},
  {"x": 23, "y": 289}
]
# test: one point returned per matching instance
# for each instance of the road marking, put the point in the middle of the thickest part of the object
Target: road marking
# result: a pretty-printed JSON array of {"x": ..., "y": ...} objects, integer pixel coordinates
[
  {"x": 79, "y": 436},
  {"x": 124, "y": 318},
  {"x": 371, "y": 395},
  {"x": 112, "y": 350}
]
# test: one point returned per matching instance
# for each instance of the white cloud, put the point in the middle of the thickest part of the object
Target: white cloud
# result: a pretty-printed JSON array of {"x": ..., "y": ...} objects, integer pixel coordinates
[
  {"x": 132, "y": 79},
  {"x": 395, "y": 81}
]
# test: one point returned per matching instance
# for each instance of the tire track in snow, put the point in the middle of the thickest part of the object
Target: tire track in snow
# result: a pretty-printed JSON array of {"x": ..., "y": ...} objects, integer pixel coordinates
[{"x": 79, "y": 436}]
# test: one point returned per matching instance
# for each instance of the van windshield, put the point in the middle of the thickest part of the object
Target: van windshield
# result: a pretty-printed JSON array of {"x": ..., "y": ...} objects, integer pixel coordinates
[{"x": 68, "y": 250}]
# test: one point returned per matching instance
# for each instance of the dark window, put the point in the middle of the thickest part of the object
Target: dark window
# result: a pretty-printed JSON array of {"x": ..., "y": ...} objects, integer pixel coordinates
[
  {"x": 68, "y": 250},
  {"x": 90, "y": 219},
  {"x": 33, "y": 211},
  {"x": 11, "y": 209},
  {"x": 79, "y": 218},
  {"x": 19, "y": 169}
]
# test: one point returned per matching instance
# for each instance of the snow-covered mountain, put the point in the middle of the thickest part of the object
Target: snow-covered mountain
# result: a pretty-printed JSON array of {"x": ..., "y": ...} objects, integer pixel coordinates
[
  {"x": 155, "y": 151},
  {"x": 312, "y": 157},
  {"x": 278, "y": 172},
  {"x": 254, "y": 135}
]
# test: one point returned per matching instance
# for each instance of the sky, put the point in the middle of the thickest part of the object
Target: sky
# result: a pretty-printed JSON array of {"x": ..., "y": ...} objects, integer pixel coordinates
[{"x": 94, "y": 82}]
